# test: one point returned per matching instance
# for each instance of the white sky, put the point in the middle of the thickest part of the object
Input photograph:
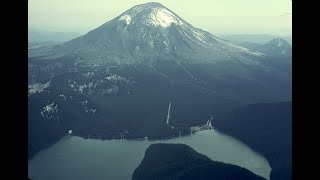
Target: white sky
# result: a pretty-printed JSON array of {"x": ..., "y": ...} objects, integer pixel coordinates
[{"x": 216, "y": 16}]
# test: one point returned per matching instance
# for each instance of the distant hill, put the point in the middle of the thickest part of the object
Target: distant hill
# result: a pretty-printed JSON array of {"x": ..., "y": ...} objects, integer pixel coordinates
[
  {"x": 181, "y": 162},
  {"x": 39, "y": 35},
  {"x": 37, "y": 44},
  {"x": 277, "y": 47},
  {"x": 253, "y": 38},
  {"x": 267, "y": 128}
]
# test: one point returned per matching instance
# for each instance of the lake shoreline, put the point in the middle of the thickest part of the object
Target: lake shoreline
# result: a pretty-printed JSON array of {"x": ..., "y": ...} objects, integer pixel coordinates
[
  {"x": 211, "y": 143},
  {"x": 124, "y": 134}
]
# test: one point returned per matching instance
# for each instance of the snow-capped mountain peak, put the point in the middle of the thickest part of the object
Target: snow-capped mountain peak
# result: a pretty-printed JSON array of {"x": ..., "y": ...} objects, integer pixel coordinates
[
  {"x": 146, "y": 32},
  {"x": 151, "y": 14},
  {"x": 125, "y": 18},
  {"x": 162, "y": 17}
]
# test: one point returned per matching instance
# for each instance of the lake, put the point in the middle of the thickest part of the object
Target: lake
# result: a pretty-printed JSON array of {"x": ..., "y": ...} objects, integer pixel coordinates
[{"x": 75, "y": 158}]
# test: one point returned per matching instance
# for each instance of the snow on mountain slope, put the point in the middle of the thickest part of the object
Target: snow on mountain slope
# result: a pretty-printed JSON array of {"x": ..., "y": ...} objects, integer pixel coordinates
[
  {"x": 37, "y": 87},
  {"x": 148, "y": 32}
]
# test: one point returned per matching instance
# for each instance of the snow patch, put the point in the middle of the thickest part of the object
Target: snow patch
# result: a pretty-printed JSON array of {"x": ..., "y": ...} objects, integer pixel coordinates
[
  {"x": 126, "y": 18},
  {"x": 37, "y": 87},
  {"x": 112, "y": 90},
  {"x": 151, "y": 43},
  {"x": 50, "y": 111},
  {"x": 166, "y": 44},
  {"x": 138, "y": 9},
  {"x": 199, "y": 36},
  {"x": 115, "y": 78},
  {"x": 240, "y": 48},
  {"x": 162, "y": 17},
  {"x": 86, "y": 108},
  {"x": 88, "y": 74},
  {"x": 82, "y": 87}
]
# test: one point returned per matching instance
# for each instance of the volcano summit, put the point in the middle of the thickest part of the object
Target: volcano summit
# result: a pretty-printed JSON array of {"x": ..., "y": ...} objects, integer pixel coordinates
[{"x": 149, "y": 32}]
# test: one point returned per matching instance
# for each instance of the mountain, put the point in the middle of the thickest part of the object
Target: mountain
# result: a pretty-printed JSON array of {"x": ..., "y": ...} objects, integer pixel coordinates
[
  {"x": 118, "y": 80},
  {"x": 253, "y": 38},
  {"x": 277, "y": 48},
  {"x": 267, "y": 128},
  {"x": 179, "y": 161},
  {"x": 149, "y": 32}
]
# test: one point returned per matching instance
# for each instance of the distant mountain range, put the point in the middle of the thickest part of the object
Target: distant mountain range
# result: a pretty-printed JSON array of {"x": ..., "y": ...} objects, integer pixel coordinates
[
  {"x": 254, "y": 38},
  {"x": 37, "y": 44},
  {"x": 117, "y": 80},
  {"x": 275, "y": 48},
  {"x": 36, "y": 35}
]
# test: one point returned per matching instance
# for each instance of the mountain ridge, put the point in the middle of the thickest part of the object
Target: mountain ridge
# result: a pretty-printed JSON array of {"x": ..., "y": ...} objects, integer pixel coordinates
[
  {"x": 277, "y": 47},
  {"x": 149, "y": 31}
]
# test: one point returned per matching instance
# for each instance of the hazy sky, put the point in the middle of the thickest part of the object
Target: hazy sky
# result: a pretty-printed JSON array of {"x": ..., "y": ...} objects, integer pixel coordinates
[{"x": 215, "y": 16}]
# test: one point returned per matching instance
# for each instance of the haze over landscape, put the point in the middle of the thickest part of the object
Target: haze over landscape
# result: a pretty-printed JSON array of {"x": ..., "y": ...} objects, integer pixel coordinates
[{"x": 216, "y": 16}]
